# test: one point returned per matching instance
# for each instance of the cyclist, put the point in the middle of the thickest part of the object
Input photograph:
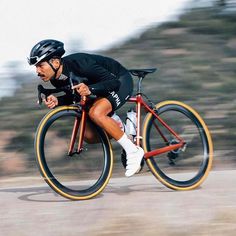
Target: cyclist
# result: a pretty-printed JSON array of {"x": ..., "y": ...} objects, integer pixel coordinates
[{"x": 102, "y": 76}]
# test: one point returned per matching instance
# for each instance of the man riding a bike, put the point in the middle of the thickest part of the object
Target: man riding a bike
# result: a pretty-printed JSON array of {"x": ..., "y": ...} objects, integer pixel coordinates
[{"x": 101, "y": 76}]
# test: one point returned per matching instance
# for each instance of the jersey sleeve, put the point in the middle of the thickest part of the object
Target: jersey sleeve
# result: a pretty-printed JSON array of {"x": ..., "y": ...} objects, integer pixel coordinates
[
  {"x": 103, "y": 88},
  {"x": 104, "y": 80},
  {"x": 66, "y": 99}
]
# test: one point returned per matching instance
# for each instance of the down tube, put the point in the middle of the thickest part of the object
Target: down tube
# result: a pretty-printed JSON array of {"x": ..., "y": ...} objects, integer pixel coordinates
[{"x": 82, "y": 130}]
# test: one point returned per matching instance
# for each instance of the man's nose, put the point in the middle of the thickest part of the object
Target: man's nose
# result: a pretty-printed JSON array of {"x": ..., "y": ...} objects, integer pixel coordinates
[{"x": 37, "y": 70}]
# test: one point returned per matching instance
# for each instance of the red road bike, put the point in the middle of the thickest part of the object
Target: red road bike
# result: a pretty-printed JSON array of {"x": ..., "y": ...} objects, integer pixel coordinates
[{"x": 177, "y": 144}]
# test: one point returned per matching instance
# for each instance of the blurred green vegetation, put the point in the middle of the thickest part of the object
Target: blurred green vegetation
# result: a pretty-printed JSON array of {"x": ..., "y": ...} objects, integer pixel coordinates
[{"x": 196, "y": 61}]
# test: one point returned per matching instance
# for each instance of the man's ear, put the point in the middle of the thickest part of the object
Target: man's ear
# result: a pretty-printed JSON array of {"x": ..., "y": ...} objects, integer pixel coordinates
[{"x": 56, "y": 62}]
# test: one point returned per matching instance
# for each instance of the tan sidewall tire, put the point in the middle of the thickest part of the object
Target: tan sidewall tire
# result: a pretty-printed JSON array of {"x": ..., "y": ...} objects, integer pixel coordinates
[{"x": 209, "y": 139}]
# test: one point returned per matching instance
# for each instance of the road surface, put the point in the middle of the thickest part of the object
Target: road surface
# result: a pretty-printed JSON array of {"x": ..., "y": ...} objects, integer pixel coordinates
[{"x": 128, "y": 206}]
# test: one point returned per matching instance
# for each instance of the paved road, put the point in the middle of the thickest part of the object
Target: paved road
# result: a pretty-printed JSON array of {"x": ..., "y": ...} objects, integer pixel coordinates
[{"x": 139, "y": 205}]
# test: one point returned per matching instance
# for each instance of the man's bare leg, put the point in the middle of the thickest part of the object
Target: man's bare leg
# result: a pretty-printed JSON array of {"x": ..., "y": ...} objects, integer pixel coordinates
[
  {"x": 90, "y": 134},
  {"x": 99, "y": 114}
]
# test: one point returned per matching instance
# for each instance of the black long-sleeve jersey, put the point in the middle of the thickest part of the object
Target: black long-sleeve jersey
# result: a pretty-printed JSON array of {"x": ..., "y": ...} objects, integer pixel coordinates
[{"x": 100, "y": 73}]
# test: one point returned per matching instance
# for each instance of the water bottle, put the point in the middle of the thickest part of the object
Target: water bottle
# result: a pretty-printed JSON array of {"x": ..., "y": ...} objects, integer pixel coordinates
[
  {"x": 118, "y": 120},
  {"x": 131, "y": 122}
]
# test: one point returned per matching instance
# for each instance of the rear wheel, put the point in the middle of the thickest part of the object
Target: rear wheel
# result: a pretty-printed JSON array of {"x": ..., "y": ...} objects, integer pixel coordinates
[
  {"x": 183, "y": 168},
  {"x": 82, "y": 175}
]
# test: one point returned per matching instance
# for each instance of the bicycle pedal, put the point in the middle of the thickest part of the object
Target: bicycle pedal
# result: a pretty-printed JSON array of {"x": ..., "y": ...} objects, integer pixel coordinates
[{"x": 172, "y": 163}]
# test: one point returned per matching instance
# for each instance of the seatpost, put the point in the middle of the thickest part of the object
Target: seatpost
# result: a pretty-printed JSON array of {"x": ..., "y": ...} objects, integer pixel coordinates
[{"x": 139, "y": 84}]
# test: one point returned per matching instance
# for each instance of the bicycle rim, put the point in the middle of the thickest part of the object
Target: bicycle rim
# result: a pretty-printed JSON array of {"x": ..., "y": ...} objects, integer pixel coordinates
[
  {"x": 78, "y": 177},
  {"x": 181, "y": 169}
]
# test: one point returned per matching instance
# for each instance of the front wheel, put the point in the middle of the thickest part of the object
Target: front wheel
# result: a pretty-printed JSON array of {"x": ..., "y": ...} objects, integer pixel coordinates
[
  {"x": 184, "y": 168},
  {"x": 82, "y": 175}
]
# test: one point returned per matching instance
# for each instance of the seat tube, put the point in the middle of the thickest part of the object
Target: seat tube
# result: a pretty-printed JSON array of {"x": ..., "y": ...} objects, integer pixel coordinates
[{"x": 138, "y": 113}]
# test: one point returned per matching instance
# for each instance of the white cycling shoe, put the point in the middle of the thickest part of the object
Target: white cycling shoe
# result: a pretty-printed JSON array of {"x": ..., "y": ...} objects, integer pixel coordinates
[{"x": 134, "y": 160}]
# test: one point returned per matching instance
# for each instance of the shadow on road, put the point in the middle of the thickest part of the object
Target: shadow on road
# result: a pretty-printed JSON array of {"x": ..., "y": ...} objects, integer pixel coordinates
[
  {"x": 46, "y": 194},
  {"x": 36, "y": 191},
  {"x": 131, "y": 188}
]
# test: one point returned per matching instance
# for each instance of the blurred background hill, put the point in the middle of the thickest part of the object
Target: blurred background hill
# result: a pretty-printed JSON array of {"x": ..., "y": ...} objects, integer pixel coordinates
[{"x": 196, "y": 61}]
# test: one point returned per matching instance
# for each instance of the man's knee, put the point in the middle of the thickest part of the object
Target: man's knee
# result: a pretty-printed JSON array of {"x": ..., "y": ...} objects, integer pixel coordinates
[{"x": 94, "y": 114}]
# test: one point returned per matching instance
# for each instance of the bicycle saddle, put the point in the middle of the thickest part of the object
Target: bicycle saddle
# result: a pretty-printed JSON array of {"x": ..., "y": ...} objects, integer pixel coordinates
[{"x": 142, "y": 72}]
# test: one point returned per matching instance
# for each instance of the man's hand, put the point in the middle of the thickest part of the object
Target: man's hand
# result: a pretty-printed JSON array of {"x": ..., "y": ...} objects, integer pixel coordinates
[
  {"x": 82, "y": 89},
  {"x": 51, "y": 102}
]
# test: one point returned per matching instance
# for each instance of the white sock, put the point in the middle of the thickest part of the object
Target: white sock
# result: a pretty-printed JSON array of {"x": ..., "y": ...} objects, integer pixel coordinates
[{"x": 127, "y": 144}]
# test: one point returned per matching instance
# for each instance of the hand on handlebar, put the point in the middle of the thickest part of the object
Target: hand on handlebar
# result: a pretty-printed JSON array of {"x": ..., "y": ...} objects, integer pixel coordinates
[
  {"x": 82, "y": 89},
  {"x": 51, "y": 101}
]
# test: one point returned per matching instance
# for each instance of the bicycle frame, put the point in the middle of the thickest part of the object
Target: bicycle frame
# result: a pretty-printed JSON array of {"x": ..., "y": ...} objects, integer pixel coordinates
[
  {"x": 77, "y": 125},
  {"x": 138, "y": 99},
  {"x": 140, "y": 103},
  {"x": 159, "y": 133}
]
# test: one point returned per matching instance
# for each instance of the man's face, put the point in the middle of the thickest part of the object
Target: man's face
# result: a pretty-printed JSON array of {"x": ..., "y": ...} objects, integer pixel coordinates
[{"x": 44, "y": 71}]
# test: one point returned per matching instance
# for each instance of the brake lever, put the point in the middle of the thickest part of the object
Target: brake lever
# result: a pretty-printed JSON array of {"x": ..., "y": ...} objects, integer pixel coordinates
[{"x": 40, "y": 92}]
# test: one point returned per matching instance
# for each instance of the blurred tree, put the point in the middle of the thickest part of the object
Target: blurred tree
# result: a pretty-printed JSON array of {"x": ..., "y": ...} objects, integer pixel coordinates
[{"x": 221, "y": 3}]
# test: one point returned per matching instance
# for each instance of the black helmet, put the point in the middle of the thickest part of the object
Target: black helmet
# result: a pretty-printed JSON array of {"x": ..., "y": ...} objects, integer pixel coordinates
[{"x": 45, "y": 50}]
